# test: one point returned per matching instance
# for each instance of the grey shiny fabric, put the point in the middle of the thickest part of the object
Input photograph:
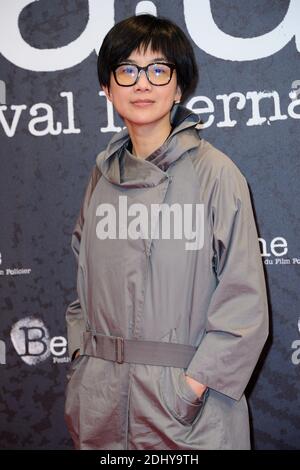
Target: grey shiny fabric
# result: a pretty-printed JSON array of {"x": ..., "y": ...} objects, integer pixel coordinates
[{"x": 213, "y": 298}]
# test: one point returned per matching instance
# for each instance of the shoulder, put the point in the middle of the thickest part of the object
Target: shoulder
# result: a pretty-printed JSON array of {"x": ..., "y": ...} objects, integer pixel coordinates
[
  {"x": 94, "y": 177},
  {"x": 214, "y": 167},
  {"x": 100, "y": 158},
  {"x": 211, "y": 158}
]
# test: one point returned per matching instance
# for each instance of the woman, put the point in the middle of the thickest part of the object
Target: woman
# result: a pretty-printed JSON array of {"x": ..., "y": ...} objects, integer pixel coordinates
[{"x": 171, "y": 313}]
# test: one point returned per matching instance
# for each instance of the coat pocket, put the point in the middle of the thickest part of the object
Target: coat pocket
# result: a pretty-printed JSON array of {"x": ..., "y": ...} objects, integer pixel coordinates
[
  {"x": 181, "y": 401},
  {"x": 72, "y": 399},
  {"x": 73, "y": 366}
]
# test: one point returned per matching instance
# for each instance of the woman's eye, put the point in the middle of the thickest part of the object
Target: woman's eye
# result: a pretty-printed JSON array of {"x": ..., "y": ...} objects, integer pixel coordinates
[
  {"x": 159, "y": 70},
  {"x": 128, "y": 70}
]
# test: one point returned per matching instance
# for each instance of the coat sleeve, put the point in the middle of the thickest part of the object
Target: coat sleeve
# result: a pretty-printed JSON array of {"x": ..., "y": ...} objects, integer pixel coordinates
[
  {"x": 237, "y": 316},
  {"x": 74, "y": 316}
]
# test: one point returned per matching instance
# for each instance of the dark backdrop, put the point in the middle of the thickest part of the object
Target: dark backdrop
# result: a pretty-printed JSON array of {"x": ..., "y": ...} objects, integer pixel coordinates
[{"x": 53, "y": 123}]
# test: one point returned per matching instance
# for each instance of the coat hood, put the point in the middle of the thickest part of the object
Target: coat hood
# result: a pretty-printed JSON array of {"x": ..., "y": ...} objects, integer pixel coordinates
[{"x": 120, "y": 167}]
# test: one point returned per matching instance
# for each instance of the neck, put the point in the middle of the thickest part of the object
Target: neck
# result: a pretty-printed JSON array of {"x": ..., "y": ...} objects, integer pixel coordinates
[{"x": 147, "y": 138}]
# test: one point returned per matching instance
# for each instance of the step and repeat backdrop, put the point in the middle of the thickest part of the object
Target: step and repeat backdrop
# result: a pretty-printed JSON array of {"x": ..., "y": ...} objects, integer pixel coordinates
[{"x": 54, "y": 120}]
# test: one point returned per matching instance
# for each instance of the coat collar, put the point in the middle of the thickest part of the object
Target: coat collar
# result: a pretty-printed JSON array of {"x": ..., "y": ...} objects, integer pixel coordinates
[{"x": 121, "y": 168}]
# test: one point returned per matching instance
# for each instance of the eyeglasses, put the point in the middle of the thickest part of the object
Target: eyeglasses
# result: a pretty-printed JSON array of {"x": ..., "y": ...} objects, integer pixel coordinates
[{"x": 158, "y": 74}]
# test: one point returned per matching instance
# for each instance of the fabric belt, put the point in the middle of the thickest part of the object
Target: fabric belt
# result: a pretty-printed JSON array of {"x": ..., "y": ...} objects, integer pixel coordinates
[{"x": 155, "y": 353}]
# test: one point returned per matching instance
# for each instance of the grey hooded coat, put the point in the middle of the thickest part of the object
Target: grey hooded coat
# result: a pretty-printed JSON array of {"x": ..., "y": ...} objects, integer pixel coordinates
[{"x": 209, "y": 294}]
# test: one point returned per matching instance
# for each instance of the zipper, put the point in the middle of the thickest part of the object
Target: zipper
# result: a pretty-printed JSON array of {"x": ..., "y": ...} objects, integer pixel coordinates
[
  {"x": 131, "y": 366},
  {"x": 135, "y": 326}
]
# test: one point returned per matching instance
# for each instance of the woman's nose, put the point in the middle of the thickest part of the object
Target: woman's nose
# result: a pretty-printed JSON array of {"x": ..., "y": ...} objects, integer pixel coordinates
[{"x": 142, "y": 81}]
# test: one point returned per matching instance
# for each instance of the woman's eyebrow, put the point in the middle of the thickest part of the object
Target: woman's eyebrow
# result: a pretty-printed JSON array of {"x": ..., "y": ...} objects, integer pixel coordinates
[{"x": 156, "y": 59}]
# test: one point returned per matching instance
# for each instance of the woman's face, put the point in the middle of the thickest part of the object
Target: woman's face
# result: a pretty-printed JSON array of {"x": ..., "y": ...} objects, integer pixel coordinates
[{"x": 144, "y": 103}]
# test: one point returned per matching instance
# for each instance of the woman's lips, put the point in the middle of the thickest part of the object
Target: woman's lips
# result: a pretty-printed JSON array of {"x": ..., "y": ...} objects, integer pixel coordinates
[{"x": 142, "y": 103}]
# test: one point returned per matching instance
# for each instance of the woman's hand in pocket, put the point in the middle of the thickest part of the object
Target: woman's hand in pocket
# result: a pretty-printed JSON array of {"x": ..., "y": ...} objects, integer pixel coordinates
[{"x": 196, "y": 386}]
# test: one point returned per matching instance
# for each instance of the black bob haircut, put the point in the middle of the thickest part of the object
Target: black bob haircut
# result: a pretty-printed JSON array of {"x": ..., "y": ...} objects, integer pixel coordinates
[{"x": 138, "y": 33}]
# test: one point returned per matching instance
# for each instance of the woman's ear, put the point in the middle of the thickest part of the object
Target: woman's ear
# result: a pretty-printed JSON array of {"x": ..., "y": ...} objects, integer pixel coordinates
[
  {"x": 107, "y": 93},
  {"x": 178, "y": 94}
]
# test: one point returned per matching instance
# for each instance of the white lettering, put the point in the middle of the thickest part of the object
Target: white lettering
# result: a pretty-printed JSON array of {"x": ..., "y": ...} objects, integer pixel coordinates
[
  {"x": 296, "y": 353},
  {"x": 208, "y": 109},
  {"x": 182, "y": 225},
  {"x": 30, "y": 338},
  {"x": 198, "y": 233},
  {"x": 108, "y": 221},
  {"x": 276, "y": 244},
  {"x": 58, "y": 346},
  {"x": 208, "y": 36},
  {"x": 296, "y": 89},
  {"x": 279, "y": 246},
  {"x": 138, "y": 227},
  {"x": 226, "y": 104},
  {"x": 2, "y": 92},
  {"x": 10, "y": 131},
  {"x": 15, "y": 49},
  {"x": 200, "y": 25},
  {"x": 42, "y": 113},
  {"x": 110, "y": 117},
  {"x": 47, "y": 118},
  {"x": 166, "y": 211},
  {"x": 255, "y": 97},
  {"x": 293, "y": 104},
  {"x": 2, "y": 352},
  {"x": 70, "y": 103},
  {"x": 251, "y": 101}
]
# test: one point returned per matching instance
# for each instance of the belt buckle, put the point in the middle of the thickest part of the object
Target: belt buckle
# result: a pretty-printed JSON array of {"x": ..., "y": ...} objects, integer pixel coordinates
[{"x": 119, "y": 350}]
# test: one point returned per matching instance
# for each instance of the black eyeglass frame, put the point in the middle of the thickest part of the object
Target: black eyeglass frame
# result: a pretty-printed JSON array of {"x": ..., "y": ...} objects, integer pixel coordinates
[{"x": 169, "y": 64}]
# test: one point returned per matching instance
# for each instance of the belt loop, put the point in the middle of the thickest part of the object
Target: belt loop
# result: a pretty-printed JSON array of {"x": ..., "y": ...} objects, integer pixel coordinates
[{"x": 119, "y": 350}]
